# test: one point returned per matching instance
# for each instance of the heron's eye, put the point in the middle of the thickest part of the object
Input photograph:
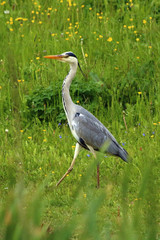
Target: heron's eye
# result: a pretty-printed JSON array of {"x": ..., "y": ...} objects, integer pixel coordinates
[{"x": 65, "y": 56}]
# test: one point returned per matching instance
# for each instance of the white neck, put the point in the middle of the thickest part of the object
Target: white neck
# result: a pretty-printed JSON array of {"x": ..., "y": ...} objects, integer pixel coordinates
[{"x": 68, "y": 104}]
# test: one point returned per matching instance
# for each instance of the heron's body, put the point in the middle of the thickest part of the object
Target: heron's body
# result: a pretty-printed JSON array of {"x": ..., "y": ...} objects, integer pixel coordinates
[{"x": 89, "y": 132}]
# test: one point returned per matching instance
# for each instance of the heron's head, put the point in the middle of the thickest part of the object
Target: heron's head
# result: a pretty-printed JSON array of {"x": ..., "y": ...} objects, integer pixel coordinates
[{"x": 67, "y": 57}]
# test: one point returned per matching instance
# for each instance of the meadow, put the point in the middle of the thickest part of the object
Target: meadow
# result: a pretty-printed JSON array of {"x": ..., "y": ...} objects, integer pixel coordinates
[{"x": 118, "y": 47}]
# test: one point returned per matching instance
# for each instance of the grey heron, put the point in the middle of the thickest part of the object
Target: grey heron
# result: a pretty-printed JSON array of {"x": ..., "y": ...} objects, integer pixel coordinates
[{"x": 89, "y": 132}]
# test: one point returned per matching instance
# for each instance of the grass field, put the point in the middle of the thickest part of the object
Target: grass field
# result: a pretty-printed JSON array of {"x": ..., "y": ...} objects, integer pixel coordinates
[{"x": 118, "y": 47}]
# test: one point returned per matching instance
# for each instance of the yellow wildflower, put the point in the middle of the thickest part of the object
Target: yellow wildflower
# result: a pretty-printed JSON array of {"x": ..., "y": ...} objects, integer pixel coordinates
[
  {"x": 29, "y": 137},
  {"x": 37, "y": 58},
  {"x": 150, "y": 47},
  {"x": 139, "y": 93},
  {"x": 2, "y": 3},
  {"x": 69, "y": 3},
  {"x": 82, "y": 6},
  {"x": 109, "y": 39},
  {"x": 154, "y": 123},
  {"x": 86, "y": 55},
  {"x": 21, "y": 131},
  {"x": 18, "y": 19},
  {"x": 144, "y": 21},
  {"x": 137, "y": 39},
  {"x": 84, "y": 195}
]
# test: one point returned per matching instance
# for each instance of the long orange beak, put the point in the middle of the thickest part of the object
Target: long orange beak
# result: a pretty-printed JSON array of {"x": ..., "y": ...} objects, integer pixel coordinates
[{"x": 58, "y": 57}]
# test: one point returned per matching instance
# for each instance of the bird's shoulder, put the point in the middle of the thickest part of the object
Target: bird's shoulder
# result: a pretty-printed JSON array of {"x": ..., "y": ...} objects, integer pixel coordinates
[
  {"x": 85, "y": 124},
  {"x": 85, "y": 117}
]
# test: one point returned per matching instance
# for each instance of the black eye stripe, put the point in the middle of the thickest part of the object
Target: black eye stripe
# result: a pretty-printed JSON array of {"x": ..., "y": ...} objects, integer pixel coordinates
[{"x": 71, "y": 54}]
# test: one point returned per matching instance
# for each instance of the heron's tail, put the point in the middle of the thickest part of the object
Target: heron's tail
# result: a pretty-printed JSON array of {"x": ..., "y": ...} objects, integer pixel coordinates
[
  {"x": 123, "y": 154},
  {"x": 111, "y": 146}
]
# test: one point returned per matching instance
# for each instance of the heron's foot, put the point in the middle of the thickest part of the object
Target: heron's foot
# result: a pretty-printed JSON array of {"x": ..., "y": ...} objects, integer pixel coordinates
[{"x": 68, "y": 171}]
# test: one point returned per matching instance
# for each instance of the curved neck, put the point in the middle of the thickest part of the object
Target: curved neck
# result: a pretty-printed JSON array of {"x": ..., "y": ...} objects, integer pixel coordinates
[{"x": 68, "y": 104}]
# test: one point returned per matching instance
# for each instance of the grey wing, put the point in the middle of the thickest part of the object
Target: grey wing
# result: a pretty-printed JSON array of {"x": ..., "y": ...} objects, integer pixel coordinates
[{"x": 90, "y": 131}]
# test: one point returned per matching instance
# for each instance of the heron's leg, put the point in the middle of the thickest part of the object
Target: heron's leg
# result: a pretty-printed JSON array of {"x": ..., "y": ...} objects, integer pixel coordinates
[
  {"x": 93, "y": 152},
  {"x": 77, "y": 149}
]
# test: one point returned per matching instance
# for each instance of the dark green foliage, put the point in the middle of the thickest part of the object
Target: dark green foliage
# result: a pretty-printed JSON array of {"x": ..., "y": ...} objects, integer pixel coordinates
[{"x": 45, "y": 103}]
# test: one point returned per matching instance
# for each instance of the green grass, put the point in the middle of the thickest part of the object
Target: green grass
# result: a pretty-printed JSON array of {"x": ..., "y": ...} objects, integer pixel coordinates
[{"x": 118, "y": 47}]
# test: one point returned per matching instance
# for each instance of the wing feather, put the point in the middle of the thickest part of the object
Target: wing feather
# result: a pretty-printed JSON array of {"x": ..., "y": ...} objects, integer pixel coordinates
[{"x": 92, "y": 131}]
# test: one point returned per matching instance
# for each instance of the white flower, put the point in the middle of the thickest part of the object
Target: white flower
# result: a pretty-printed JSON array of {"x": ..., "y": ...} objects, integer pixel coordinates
[{"x": 6, "y": 12}]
